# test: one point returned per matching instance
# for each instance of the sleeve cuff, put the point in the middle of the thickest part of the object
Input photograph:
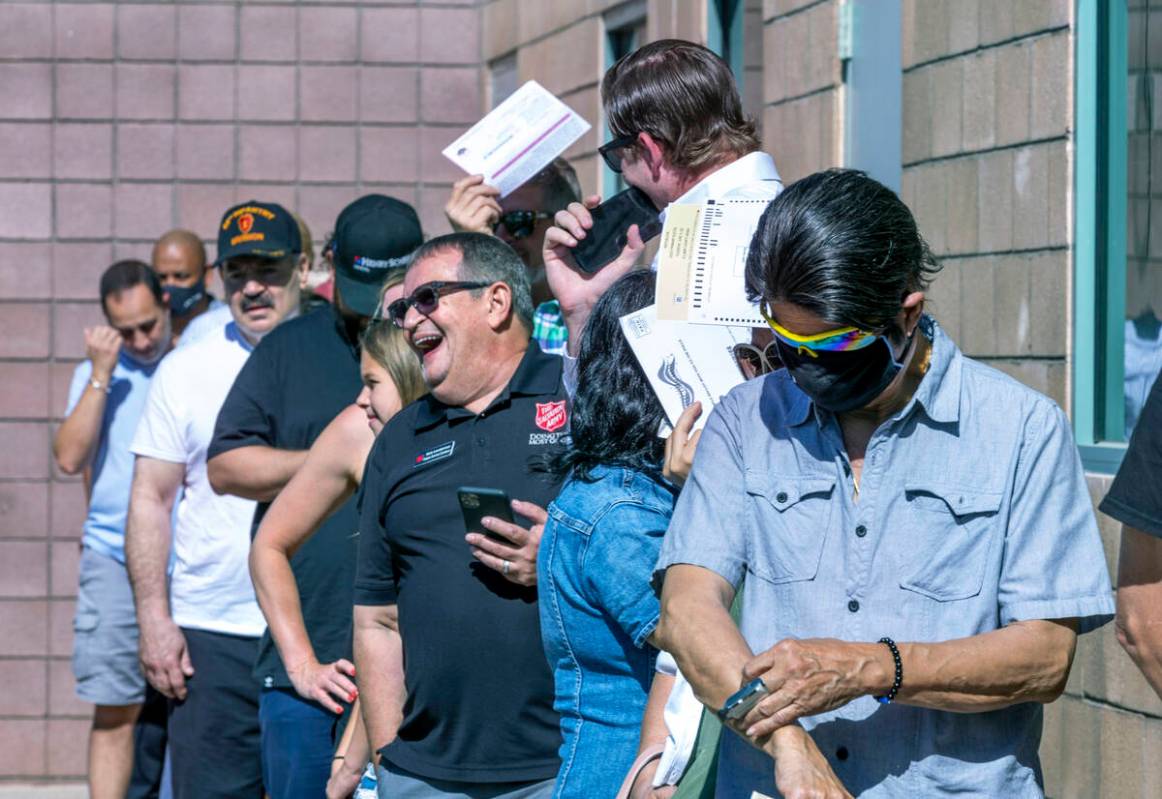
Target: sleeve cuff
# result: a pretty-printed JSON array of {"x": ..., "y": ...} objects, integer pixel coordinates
[
  {"x": 218, "y": 446},
  {"x": 729, "y": 569},
  {"x": 158, "y": 454},
  {"x": 375, "y": 595},
  {"x": 1130, "y": 516},
  {"x": 1091, "y": 612}
]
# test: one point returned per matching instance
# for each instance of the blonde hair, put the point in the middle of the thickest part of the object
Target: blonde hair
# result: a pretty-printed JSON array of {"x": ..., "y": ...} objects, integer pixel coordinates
[
  {"x": 308, "y": 246},
  {"x": 384, "y": 342}
]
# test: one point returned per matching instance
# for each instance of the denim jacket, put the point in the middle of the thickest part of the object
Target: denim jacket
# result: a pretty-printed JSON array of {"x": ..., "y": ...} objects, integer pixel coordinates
[{"x": 597, "y": 610}]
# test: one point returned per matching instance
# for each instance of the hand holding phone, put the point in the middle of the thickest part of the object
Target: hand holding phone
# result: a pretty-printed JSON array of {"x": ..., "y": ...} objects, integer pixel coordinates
[
  {"x": 608, "y": 236},
  {"x": 476, "y": 503}
]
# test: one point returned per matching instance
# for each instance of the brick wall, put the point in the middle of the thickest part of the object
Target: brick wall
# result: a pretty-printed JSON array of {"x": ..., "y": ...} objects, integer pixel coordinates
[{"x": 118, "y": 121}]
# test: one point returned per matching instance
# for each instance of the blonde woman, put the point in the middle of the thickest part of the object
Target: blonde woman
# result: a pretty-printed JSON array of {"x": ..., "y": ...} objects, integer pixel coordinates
[{"x": 330, "y": 475}]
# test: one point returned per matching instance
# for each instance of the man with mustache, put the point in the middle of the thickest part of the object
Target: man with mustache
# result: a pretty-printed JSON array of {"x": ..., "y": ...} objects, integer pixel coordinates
[
  {"x": 200, "y": 633},
  {"x": 298, "y": 381}
]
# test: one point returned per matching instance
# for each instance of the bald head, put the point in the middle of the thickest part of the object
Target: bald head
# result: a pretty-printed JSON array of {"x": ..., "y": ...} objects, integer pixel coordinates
[{"x": 180, "y": 245}]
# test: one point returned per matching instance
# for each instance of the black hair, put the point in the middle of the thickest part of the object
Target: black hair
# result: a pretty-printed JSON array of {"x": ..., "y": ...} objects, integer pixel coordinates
[
  {"x": 125, "y": 275},
  {"x": 840, "y": 245},
  {"x": 616, "y": 415}
]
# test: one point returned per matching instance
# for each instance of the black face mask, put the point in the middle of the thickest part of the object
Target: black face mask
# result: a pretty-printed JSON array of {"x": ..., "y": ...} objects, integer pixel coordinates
[
  {"x": 842, "y": 381},
  {"x": 183, "y": 299}
]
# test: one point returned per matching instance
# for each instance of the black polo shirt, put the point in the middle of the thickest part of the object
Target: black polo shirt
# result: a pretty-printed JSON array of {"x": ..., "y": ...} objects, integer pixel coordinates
[
  {"x": 297, "y": 380},
  {"x": 479, "y": 691},
  {"x": 1135, "y": 498}
]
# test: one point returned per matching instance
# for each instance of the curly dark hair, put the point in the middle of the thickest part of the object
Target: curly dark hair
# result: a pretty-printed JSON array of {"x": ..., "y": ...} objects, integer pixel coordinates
[{"x": 615, "y": 412}]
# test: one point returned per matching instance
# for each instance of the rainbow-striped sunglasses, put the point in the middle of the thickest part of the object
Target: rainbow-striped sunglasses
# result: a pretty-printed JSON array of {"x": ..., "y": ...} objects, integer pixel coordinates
[{"x": 844, "y": 339}]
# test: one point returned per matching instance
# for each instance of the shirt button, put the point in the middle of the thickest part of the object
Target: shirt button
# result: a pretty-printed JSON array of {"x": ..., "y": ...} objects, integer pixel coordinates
[
  {"x": 781, "y": 496},
  {"x": 841, "y": 753},
  {"x": 853, "y": 606},
  {"x": 482, "y": 441},
  {"x": 861, "y": 531}
]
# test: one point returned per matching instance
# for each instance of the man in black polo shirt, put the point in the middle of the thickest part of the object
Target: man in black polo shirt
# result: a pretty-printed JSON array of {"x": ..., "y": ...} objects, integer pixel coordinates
[
  {"x": 478, "y": 717},
  {"x": 299, "y": 379}
]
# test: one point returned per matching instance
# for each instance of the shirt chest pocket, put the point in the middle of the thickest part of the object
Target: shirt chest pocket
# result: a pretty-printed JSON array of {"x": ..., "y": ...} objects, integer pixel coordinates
[
  {"x": 787, "y": 526},
  {"x": 947, "y": 539}
]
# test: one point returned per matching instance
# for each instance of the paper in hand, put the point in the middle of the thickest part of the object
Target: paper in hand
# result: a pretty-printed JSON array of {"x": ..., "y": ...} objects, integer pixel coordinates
[
  {"x": 517, "y": 139},
  {"x": 684, "y": 362},
  {"x": 702, "y": 263}
]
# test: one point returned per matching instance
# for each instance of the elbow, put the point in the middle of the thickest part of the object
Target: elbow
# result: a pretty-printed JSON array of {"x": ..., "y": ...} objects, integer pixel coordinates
[
  {"x": 219, "y": 476},
  {"x": 668, "y": 621},
  {"x": 1133, "y": 633},
  {"x": 1056, "y": 675},
  {"x": 69, "y": 465}
]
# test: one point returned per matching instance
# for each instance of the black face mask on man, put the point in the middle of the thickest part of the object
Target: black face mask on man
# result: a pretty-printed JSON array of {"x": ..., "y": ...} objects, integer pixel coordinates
[
  {"x": 183, "y": 299},
  {"x": 842, "y": 381}
]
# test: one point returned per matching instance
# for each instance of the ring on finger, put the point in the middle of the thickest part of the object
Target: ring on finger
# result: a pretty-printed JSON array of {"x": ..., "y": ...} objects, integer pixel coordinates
[{"x": 504, "y": 567}]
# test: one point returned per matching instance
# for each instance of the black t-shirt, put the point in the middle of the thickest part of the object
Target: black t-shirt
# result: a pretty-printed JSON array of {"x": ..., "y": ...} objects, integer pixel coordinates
[
  {"x": 479, "y": 691},
  {"x": 297, "y": 380},
  {"x": 1135, "y": 498}
]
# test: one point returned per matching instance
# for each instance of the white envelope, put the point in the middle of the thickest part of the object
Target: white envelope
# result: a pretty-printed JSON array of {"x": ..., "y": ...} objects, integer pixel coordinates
[
  {"x": 517, "y": 139},
  {"x": 684, "y": 362}
]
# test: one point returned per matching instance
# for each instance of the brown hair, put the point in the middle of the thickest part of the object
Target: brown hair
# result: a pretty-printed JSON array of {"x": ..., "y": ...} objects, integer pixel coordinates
[
  {"x": 384, "y": 342},
  {"x": 685, "y": 97}
]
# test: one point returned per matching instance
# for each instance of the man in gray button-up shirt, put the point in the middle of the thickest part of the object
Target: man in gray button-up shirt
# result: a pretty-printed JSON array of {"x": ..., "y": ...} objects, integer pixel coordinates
[{"x": 881, "y": 486}]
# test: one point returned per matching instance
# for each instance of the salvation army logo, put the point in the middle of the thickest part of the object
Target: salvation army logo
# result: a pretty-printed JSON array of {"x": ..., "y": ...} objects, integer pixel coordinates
[
  {"x": 245, "y": 223},
  {"x": 551, "y": 416}
]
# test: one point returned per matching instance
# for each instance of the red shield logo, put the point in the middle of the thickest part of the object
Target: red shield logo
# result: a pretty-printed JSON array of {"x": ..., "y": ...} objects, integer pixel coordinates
[
  {"x": 551, "y": 416},
  {"x": 245, "y": 222}
]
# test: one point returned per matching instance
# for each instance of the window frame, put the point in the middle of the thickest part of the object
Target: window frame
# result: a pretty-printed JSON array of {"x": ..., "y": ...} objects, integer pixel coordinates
[
  {"x": 728, "y": 44},
  {"x": 626, "y": 18},
  {"x": 1099, "y": 246}
]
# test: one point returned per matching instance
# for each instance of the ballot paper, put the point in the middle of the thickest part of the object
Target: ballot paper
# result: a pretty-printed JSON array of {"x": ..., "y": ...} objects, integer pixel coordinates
[
  {"x": 517, "y": 139},
  {"x": 702, "y": 263},
  {"x": 684, "y": 362}
]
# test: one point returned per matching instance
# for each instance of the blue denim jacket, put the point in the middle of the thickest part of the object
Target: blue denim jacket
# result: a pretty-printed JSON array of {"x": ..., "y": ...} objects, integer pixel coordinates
[{"x": 597, "y": 610}]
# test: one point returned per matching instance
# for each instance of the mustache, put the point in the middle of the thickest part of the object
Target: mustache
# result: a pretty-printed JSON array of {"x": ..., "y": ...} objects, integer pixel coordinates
[{"x": 261, "y": 301}]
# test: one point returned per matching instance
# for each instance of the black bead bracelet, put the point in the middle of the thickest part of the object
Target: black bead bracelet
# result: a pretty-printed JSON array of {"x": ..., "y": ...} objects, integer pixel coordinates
[{"x": 890, "y": 695}]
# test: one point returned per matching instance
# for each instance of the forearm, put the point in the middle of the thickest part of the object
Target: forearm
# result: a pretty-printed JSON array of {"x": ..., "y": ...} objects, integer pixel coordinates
[
  {"x": 147, "y": 546},
  {"x": 354, "y": 746},
  {"x": 379, "y": 664},
  {"x": 1139, "y": 619},
  {"x": 1024, "y": 662},
  {"x": 76, "y": 439},
  {"x": 653, "y": 720},
  {"x": 254, "y": 472},
  {"x": 697, "y": 630},
  {"x": 278, "y": 596}
]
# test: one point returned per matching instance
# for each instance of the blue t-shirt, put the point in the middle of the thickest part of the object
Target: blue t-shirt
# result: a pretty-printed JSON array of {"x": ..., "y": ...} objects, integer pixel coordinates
[{"x": 112, "y": 466}]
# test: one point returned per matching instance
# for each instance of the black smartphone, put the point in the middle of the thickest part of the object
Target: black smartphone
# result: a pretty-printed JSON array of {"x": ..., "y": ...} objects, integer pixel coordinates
[
  {"x": 611, "y": 221},
  {"x": 476, "y": 503}
]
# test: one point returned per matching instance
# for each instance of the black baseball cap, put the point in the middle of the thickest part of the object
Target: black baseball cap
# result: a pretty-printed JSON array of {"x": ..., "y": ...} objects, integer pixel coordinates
[
  {"x": 373, "y": 235},
  {"x": 255, "y": 228}
]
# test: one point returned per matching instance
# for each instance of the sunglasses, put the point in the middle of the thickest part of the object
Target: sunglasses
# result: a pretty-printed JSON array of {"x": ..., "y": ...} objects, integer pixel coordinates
[
  {"x": 753, "y": 362},
  {"x": 611, "y": 151},
  {"x": 520, "y": 224},
  {"x": 843, "y": 339},
  {"x": 426, "y": 298}
]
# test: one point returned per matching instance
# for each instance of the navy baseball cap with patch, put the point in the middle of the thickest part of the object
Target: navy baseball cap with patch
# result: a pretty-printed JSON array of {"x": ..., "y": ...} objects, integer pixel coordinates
[
  {"x": 253, "y": 228},
  {"x": 373, "y": 235}
]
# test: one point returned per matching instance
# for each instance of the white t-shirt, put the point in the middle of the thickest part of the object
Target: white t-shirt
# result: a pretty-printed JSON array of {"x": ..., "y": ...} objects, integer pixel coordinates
[{"x": 210, "y": 587}]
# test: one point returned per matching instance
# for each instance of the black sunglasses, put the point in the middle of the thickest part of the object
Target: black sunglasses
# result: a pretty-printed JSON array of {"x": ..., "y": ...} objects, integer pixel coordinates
[
  {"x": 520, "y": 224},
  {"x": 427, "y": 297},
  {"x": 753, "y": 362},
  {"x": 611, "y": 151}
]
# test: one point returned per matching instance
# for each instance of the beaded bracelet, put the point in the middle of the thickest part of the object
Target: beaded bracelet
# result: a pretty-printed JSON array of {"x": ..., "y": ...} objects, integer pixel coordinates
[{"x": 890, "y": 695}]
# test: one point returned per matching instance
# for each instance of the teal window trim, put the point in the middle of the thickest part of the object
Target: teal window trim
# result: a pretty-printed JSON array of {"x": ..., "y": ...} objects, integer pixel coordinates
[
  {"x": 619, "y": 41},
  {"x": 1099, "y": 285},
  {"x": 725, "y": 37}
]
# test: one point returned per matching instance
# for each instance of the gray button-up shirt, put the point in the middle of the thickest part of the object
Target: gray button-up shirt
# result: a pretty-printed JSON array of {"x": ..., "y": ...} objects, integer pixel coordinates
[{"x": 972, "y": 514}]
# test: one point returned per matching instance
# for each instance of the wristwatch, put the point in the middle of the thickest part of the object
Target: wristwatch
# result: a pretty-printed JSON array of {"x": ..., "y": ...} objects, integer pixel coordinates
[
  {"x": 97, "y": 384},
  {"x": 741, "y": 701}
]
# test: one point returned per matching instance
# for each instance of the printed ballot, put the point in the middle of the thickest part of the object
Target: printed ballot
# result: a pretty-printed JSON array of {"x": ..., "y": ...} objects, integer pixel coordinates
[
  {"x": 702, "y": 263},
  {"x": 517, "y": 139},
  {"x": 684, "y": 362}
]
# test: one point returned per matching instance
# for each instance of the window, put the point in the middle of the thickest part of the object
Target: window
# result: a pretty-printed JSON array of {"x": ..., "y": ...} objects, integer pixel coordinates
[
  {"x": 870, "y": 52},
  {"x": 625, "y": 31},
  {"x": 724, "y": 34},
  {"x": 503, "y": 79},
  {"x": 1118, "y": 246}
]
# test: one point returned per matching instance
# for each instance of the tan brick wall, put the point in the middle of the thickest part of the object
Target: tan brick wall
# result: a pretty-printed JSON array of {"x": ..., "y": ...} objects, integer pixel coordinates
[{"x": 801, "y": 86}]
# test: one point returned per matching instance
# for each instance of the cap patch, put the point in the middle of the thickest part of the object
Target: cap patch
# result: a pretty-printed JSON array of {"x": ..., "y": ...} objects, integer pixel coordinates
[{"x": 361, "y": 263}]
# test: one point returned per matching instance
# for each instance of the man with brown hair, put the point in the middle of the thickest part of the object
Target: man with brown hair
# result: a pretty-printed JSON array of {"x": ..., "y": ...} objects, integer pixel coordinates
[{"x": 679, "y": 135}]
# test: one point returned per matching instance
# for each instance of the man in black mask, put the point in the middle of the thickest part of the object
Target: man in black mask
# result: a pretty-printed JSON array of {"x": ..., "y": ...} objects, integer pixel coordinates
[{"x": 179, "y": 259}]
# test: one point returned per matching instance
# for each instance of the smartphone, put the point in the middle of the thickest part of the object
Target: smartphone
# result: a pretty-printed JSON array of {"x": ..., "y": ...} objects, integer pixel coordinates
[
  {"x": 476, "y": 503},
  {"x": 611, "y": 221}
]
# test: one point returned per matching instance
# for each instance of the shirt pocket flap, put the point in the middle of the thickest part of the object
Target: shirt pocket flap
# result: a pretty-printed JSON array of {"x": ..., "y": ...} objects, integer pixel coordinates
[
  {"x": 945, "y": 498},
  {"x": 785, "y": 492}
]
